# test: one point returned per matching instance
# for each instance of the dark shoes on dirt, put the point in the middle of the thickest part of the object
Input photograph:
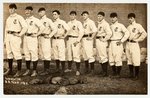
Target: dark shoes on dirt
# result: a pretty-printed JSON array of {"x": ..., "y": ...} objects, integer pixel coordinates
[
  {"x": 18, "y": 74},
  {"x": 8, "y": 72}
]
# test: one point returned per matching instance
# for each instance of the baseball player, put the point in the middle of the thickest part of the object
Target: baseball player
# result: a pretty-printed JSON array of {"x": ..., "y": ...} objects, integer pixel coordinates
[
  {"x": 102, "y": 37},
  {"x": 45, "y": 40},
  {"x": 120, "y": 34},
  {"x": 87, "y": 41},
  {"x": 73, "y": 44},
  {"x": 58, "y": 43},
  {"x": 137, "y": 34},
  {"x": 14, "y": 29},
  {"x": 35, "y": 28}
]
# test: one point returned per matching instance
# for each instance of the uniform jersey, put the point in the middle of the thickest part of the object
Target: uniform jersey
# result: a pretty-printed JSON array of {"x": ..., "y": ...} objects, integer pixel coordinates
[
  {"x": 89, "y": 26},
  {"x": 49, "y": 25},
  {"x": 137, "y": 32},
  {"x": 119, "y": 32},
  {"x": 104, "y": 29},
  {"x": 33, "y": 24},
  {"x": 61, "y": 27},
  {"x": 15, "y": 23},
  {"x": 76, "y": 28}
]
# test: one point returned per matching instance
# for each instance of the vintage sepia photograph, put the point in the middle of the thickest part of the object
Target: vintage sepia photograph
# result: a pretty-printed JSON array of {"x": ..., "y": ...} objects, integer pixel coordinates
[{"x": 75, "y": 48}]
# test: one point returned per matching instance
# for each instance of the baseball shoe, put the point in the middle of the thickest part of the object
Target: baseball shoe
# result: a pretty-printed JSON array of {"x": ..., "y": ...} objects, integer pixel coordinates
[
  {"x": 34, "y": 73},
  {"x": 57, "y": 71},
  {"x": 104, "y": 74},
  {"x": 8, "y": 72},
  {"x": 68, "y": 70},
  {"x": 136, "y": 78},
  {"x": 87, "y": 71},
  {"x": 131, "y": 76},
  {"x": 18, "y": 74},
  {"x": 27, "y": 73},
  {"x": 44, "y": 73},
  {"x": 77, "y": 73}
]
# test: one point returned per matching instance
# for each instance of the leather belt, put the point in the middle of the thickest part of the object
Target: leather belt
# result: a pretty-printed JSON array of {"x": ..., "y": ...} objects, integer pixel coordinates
[
  {"x": 115, "y": 39},
  {"x": 131, "y": 41},
  {"x": 72, "y": 36},
  {"x": 12, "y": 32},
  {"x": 28, "y": 34},
  {"x": 87, "y": 35},
  {"x": 56, "y": 37},
  {"x": 97, "y": 37},
  {"x": 43, "y": 34}
]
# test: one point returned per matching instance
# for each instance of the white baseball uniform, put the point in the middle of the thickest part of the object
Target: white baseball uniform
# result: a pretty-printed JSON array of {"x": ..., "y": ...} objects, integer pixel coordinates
[
  {"x": 49, "y": 30},
  {"x": 14, "y": 24},
  {"x": 31, "y": 43},
  {"x": 119, "y": 33},
  {"x": 104, "y": 34},
  {"x": 137, "y": 34},
  {"x": 58, "y": 43},
  {"x": 75, "y": 34},
  {"x": 89, "y": 28}
]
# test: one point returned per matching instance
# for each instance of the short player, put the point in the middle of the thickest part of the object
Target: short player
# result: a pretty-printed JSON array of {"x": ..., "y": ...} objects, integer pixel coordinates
[
  {"x": 30, "y": 45},
  {"x": 119, "y": 35},
  {"x": 14, "y": 29},
  {"x": 102, "y": 37},
  {"x": 137, "y": 34},
  {"x": 58, "y": 42},
  {"x": 87, "y": 41},
  {"x": 73, "y": 44},
  {"x": 45, "y": 39}
]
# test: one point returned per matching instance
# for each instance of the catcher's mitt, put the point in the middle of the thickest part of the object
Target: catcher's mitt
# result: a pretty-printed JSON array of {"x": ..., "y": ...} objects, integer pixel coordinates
[
  {"x": 73, "y": 80},
  {"x": 63, "y": 82},
  {"x": 56, "y": 80}
]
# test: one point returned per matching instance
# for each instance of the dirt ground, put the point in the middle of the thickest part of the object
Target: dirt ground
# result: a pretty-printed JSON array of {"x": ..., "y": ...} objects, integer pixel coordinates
[{"x": 96, "y": 84}]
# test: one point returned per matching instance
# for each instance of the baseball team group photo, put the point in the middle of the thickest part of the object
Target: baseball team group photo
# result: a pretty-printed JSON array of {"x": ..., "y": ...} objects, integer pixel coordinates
[{"x": 75, "y": 48}]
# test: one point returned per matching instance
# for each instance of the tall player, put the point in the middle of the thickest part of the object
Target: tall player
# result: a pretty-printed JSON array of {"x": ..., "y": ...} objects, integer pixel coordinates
[
  {"x": 58, "y": 42},
  {"x": 87, "y": 41},
  {"x": 73, "y": 44},
  {"x": 137, "y": 34},
  {"x": 15, "y": 28},
  {"x": 102, "y": 37},
  {"x": 119, "y": 35}
]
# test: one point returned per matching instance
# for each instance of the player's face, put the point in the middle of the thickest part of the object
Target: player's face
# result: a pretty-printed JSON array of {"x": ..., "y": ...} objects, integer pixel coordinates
[
  {"x": 28, "y": 13},
  {"x": 131, "y": 20},
  {"x": 41, "y": 13},
  {"x": 85, "y": 16},
  {"x": 113, "y": 19},
  {"x": 72, "y": 16},
  {"x": 55, "y": 15},
  {"x": 100, "y": 17},
  {"x": 12, "y": 10}
]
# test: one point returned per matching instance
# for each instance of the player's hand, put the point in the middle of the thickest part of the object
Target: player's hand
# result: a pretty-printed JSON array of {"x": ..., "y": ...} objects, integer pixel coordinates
[
  {"x": 4, "y": 44},
  {"x": 46, "y": 36},
  {"x": 16, "y": 34},
  {"x": 119, "y": 43},
  {"x": 75, "y": 43},
  {"x": 33, "y": 35},
  {"x": 89, "y": 38},
  {"x": 103, "y": 40}
]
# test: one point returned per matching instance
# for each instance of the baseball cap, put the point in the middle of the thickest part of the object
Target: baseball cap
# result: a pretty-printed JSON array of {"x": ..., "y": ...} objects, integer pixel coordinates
[
  {"x": 113, "y": 15},
  {"x": 12, "y": 5},
  {"x": 41, "y": 9},
  {"x": 131, "y": 15},
  {"x": 101, "y": 13},
  {"x": 29, "y": 8},
  {"x": 73, "y": 12},
  {"x": 85, "y": 12}
]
